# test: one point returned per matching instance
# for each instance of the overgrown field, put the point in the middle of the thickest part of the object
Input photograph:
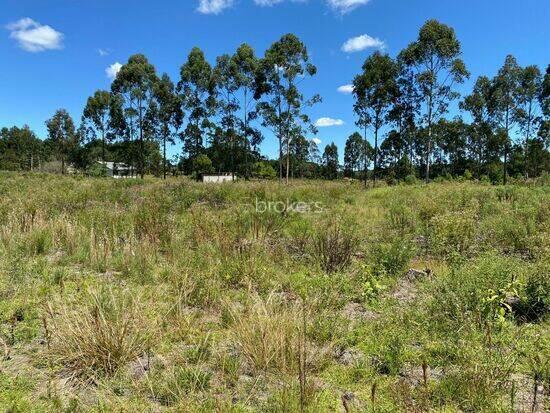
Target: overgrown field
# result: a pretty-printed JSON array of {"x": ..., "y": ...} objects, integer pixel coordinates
[{"x": 132, "y": 296}]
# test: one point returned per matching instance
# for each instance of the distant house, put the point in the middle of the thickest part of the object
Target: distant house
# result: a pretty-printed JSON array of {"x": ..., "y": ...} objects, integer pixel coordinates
[
  {"x": 117, "y": 170},
  {"x": 225, "y": 177}
]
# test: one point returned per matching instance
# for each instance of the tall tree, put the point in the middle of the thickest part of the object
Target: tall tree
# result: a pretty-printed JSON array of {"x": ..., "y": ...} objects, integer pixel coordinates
[
  {"x": 330, "y": 161},
  {"x": 299, "y": 151},
  {"x": 478, "y": 104},
  {"x": 530, "y": 84},
  {"x": 435, "y": 58},
  {"x": 225, "y": 78},
  {"x": 135, "y": 84},
  {"x": 285, "y": 65},
  {"x": 247, "y": 64},
  {"x": 196, "y": 87},
  {"x": 506, "y": 86},
  {"x": 353, "y": 154},
  {"x": 168, "y": 112},
  {"x": 62, "y": 135},
  {"x": 375, "y": 89},
  {"x": 97, "y": 115},
  {"x": 406, "y": 107},
  {"x": 20, "y": 149}
]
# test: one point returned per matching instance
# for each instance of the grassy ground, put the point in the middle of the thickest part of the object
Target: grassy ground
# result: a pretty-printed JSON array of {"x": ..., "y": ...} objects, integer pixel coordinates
[{"x": 154, "y": 296}]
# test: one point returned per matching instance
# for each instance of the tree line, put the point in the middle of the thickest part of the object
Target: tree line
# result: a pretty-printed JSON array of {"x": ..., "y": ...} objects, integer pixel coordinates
[{"x": 221, "y": 112}]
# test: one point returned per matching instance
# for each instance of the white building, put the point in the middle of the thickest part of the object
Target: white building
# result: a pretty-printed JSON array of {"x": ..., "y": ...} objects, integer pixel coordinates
[
  {"x": 217, "y": 178},
  {"x": 118, "y": 170}
]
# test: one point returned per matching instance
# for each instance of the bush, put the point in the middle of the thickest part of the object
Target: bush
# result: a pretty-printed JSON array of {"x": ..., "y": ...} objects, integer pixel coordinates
[
  {"x": 263, "y": 170},
  {"x": 333, "y": 248},
  {"x": 97, "y": 170},
  {"x": 452, "y": 232},
  {"x": 411, "y": 179},
  {"x": 536, "y": 301},
  {"x": 391, "y": 259}
]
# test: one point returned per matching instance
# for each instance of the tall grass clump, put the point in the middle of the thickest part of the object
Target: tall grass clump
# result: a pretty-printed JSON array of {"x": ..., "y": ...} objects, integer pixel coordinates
[
  {"x": 98, "y": 339},
  {"x": 266, "y": 334},
  {"x": 333, "y": 248}
]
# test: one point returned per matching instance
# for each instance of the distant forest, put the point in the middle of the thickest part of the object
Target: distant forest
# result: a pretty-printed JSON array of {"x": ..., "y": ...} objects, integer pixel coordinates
[{"x": 221, "y": 113}]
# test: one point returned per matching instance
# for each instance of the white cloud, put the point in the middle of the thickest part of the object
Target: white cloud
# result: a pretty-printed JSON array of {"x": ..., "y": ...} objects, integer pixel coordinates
[
  {"x": 112, "y": 70},
  {"x": 267, "y": 2},
  {"x": 103, "y": 52},
  {"x": 356, "y": 44},
  {"x": 345, "y": 6},
  {"x": 316, "y": 141},
  {"x": 346, "y": 89},
  {"x": 270, "y": 3},
  {"x": 326, "y": 122},
  {"x": 213, "y": 6},
  {"x": 35, "y": 37}
]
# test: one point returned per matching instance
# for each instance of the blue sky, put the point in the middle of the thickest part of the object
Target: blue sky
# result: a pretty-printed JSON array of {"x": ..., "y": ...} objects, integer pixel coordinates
[{"x": 59, "y": 54}]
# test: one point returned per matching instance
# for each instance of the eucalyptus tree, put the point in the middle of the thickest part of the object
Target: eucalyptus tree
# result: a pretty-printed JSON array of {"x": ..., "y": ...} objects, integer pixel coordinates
[
  {"x": 478, "y": 104},
  {"x": 505, "y": 103},
  {"x": 135, "y": 84},
  {"x": 227, "y": 103},
  {"x": 330, "y": 161},
  {"x": 375, "y": 89},
  {"x": 168, "y": 113},
  {"x": 392, "y": 149},
  {"x": 544, "y": 101},
  {"x": 62, "y": 135},
  {"x": 196, "y": 87},
  {"x": 364, "y": 119},
  {"x": 530, "y": 84},
  {"x": 284, "y": 66},
  {"x": 353, "y": 154},
  {"x": 20, "y": 149},
  {"x": 435, "y": 59},
  {"x": 544, "y": 97},
  {"x": 406, "y": 107},
  {"x": 99, "y": 117},
  {"x": 246, "y": 64}
]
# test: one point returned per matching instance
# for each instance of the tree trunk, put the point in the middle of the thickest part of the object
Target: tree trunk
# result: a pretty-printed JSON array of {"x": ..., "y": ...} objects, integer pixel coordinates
[
  {"x": 103, "y": 144},
  {"x": 232, "y": 156},
  {"x": 287, "y": 159},
  {"x": 505, "y": 165},
  {"x": 375, "y": 152},
  {"x": 280, "y": 159},
  {"x": 365, "y": 167},
  {"x": 429, "y": 146},
  {"x": 164, "y": 157},
  {"x": 526, "y": 157},
  {"x": 141, "y": 148}
]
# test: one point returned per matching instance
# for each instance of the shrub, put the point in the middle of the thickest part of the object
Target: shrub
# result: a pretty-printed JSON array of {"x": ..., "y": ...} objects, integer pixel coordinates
[
  {"x": 391, "y": 259},
  {"x": 536, "y": 302},
  {"x": 411, "y": 179},
  {"x": 452, "y": 232},
  {"x": 97, "y": 171},
  {"x": 263, "y": 170},
  {"x": 333, "y": 248}
]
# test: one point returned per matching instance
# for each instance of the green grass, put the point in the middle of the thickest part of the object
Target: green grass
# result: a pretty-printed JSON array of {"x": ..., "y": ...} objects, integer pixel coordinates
[{"x": 177, "y": 296}]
